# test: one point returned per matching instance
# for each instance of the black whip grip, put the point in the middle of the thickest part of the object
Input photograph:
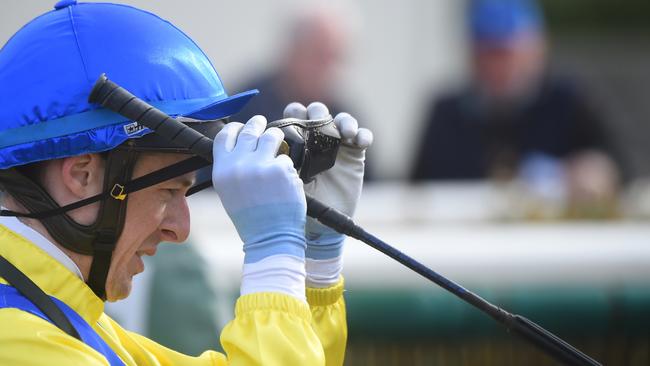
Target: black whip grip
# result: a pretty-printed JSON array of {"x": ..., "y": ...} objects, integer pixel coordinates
[
  {"x": 332, "y": 218},
  {"x": 119, "y": 100}
]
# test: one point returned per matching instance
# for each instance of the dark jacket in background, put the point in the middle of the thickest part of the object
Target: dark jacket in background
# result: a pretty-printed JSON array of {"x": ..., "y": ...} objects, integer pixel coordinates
[{"x": 464, "y": 139}]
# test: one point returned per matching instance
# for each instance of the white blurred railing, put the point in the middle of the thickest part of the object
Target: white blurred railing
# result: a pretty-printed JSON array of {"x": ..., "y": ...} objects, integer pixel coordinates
[{"x": 464, "y": 232}]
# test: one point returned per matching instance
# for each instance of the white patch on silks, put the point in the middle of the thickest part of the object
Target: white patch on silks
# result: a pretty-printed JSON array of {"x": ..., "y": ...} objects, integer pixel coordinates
[{"x": 133, "y": 128}]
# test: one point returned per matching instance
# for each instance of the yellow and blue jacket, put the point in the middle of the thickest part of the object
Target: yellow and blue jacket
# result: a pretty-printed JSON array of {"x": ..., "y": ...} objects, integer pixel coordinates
[{"x": 268, "y": 328}]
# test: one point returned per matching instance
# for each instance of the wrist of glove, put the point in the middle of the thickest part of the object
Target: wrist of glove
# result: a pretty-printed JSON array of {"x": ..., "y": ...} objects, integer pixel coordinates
[
  {"x": 338, "y": 187},
  {"x": 265, "y": 200}
]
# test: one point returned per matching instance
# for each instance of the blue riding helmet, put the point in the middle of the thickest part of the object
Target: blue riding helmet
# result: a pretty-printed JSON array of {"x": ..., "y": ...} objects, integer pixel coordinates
[{"x": 48, "y": 68}]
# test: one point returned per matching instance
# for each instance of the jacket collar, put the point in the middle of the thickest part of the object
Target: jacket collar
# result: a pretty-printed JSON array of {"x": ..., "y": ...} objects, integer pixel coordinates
[
  {"x": 50, "y": 274},
  {"x": 18, "y": 227}
]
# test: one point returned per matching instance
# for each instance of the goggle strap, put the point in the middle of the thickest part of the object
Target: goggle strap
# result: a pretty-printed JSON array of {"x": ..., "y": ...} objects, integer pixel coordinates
[{"x": 120, "y": 191}]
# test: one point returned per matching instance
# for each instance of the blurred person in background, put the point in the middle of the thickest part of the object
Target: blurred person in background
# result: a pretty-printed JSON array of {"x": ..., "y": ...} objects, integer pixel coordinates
[
  {"x": 309, "y": 66},
  {"x": 515, "y": 120}
]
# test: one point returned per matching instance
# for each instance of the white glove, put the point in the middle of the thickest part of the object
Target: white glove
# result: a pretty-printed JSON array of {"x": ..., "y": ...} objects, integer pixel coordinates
[
  {"x": 264, "y": 197},
  {"x": 338, "y": 187}
]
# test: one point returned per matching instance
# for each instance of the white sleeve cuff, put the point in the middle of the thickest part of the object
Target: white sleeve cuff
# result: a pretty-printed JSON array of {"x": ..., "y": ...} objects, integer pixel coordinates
[
  {"x": 278, "y": 273},
  {"x": 322, "y": 273}
]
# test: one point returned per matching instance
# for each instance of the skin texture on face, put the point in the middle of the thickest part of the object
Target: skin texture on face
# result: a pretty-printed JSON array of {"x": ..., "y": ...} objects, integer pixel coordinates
[
  {"x": 155, "y": 214},
  {"x": 315, "y": 55}
]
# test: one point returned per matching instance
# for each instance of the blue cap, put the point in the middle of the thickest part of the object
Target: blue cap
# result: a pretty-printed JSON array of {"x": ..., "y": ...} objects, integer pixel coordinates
[
  {"x": 48, "y": 68},
  {"x": 500, "y": 21}
]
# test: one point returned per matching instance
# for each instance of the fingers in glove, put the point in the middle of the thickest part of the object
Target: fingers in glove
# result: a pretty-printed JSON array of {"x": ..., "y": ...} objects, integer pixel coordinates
[
  {"x": 317, "y": 110},
  {"x": 269, "y": 143},
  {"x": 347, "y": 125},
  {"x": 295, "y": 110},
  {"x": 226, "y": 138},
  {"x": 286, "y": 164},
  {"x": 250, "y": 133},
  {"x": 363, "y": 139}
]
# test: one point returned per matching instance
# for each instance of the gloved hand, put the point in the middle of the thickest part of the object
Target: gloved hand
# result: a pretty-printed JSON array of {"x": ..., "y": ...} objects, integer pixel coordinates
[
  {"x": 264, "y": 197},
  {"x": 339, "y": 187}
]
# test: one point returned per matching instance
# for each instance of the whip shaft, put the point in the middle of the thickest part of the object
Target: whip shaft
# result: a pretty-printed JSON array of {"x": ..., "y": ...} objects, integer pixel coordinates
[{"x": 117, "y": 99}]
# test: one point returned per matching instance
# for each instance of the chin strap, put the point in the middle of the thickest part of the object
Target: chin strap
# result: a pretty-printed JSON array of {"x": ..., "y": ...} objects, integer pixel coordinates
[
  {"x": 98, "y": 239},
  {"x": 110, "y": 221}
]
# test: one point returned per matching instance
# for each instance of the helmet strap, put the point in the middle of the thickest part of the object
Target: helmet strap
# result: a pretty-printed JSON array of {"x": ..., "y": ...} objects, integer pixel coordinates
[
  {"x": 97, "y": 239},
  {"x": 110, "y": 221}
]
